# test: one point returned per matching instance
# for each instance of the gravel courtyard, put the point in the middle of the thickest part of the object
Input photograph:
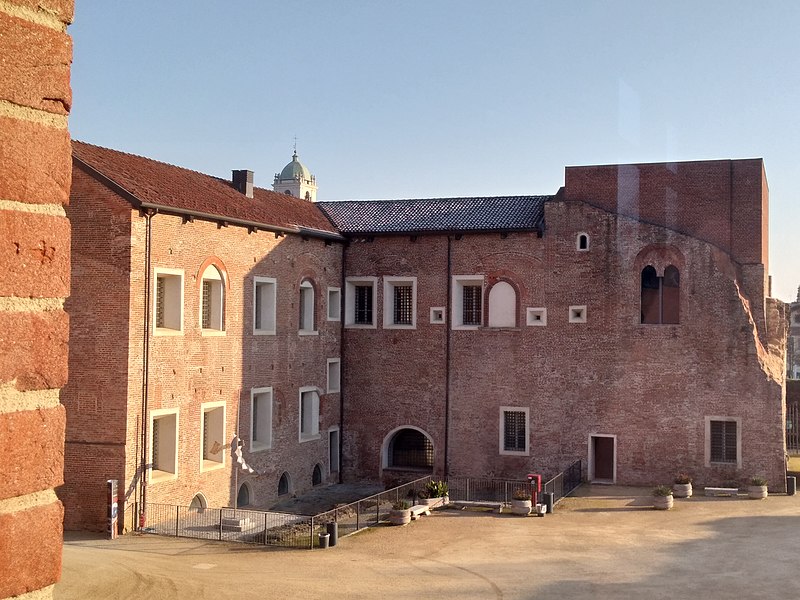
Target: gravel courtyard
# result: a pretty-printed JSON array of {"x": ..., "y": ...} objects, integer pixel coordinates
[{"x": 604, "y": 543}]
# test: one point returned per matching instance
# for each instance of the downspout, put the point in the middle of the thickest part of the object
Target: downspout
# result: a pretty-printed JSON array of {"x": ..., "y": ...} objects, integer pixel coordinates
[
  {"x": 342, "y": 363},
  {"x": 448, "y": 325},
  {"x": 148, "y": 215}
]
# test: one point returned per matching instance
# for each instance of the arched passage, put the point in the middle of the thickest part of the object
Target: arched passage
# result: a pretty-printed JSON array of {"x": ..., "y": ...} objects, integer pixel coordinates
[
  {"x": 244, "y": 497},
  {"x": 407, "y": 447}
]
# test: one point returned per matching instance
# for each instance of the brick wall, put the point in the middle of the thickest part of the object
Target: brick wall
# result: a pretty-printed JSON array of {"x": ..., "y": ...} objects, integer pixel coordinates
[{"x": 34, "y": 281}]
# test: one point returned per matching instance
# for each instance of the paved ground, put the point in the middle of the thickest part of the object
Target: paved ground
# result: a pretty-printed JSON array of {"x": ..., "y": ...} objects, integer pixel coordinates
[{"x": 605, "y": 544}]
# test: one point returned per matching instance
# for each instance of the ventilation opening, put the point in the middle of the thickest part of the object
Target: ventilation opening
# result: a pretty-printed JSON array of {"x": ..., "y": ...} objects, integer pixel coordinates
[
  {"x": 283, "y": 485},
  {"x": 316, "y": 477},
  {"x": 243, "y": 497}
]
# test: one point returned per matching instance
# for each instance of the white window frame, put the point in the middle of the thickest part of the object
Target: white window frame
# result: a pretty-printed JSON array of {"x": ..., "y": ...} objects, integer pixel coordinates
[
  {"x": 334, "y": 307},
  {"x": 458, "y": 285},
  {"x": 271, "y": 286},
  {"x": 260, "y": 445},
  {"x": 389, "y": 283},
  {"x": 531, "y": 314},
  {"x": 583, "y": 316},
  {"x": 578, "y": 242},
  {"x": 350, "y": 302},
  {"x": 214, "y": 274},
  {"x": 159, "y": 331},
  {"x": 437, "y": 315},
  {"x": 527, "y": 411},
  {"x": 306, "y": 284},
  {"x": 738, "y": 421},
  {"x": 210, "y": 464},
  {"x": 315, "y": 418},
  {"x": 334, "y": 389},
  {"x": 157, "y": 475}
]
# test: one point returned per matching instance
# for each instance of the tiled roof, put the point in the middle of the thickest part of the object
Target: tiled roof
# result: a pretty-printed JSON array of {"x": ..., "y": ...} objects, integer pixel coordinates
[
  {"x": 156, "y": 183},
  {"x": 498, "y": 213}
]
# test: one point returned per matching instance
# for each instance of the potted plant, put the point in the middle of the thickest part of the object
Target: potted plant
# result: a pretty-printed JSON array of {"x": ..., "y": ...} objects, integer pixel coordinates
[
  {"x": 662, "y": 497},
  {"x": 435, "y": 494},
  {"x": 757, "y": 490},
  {"x": 521, "y": 502},
  {"x": 400, "y": 513},
  {"x": 683, "y": 486}
]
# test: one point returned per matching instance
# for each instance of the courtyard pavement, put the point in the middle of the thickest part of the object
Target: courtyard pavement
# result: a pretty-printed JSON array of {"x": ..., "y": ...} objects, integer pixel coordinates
[{"x": 604, "y": 543}]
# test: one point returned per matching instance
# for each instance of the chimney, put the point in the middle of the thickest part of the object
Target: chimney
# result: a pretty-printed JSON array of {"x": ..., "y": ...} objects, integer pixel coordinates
[{"x": 243, "y": 182}]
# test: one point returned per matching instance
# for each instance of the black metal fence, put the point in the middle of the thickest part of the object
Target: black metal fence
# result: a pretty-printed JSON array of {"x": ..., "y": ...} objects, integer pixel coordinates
[{"x": 562, "y": 484}]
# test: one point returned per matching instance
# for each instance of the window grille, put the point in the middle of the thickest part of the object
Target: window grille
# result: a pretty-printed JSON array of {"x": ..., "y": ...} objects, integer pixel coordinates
[
  {"x": 723, "y": 441},
  {"x": 206, "y": 454},
  {"x": 411, "y": 448},
  {"x": 156, "y": 463},
  {"x": 160, "y": 300},
  {"x": 514, "y": 431},
  {"x": 363, "y": 305},
  {"x": 472, "y": 305},
  {"x": 403, "y": 305},
  {"x": 206, "y": 304}
]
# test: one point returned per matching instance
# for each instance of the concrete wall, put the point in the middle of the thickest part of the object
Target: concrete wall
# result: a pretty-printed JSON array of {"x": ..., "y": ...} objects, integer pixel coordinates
[{"x": 35, "y": 171}]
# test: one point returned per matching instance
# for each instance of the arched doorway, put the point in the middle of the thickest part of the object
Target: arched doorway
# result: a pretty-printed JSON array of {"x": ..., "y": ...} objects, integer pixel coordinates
[
  {"x": 408, "y": 448},
  {"x": 244, "y": 497}
]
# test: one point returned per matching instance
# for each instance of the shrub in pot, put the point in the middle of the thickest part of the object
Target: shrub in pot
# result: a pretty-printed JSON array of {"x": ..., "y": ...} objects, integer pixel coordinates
[
  {"x": 757, "y": 490},
  {"x": 521, "y": 502},
  {"x": 435, "y": 493},
  {"x": 682, "y": 488},
  {"x": 400, "y": 513},
  {"x": 662, "y": 497}
]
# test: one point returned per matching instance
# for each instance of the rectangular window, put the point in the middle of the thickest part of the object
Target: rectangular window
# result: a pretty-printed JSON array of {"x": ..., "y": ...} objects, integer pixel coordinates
[
  {"x": 514, "y": 430},
  {"x": 334, "y": 304},
  {"x": 264, "y": 304},
  {"x": 168, "y": 302},
  {"x": 163, "y": 444},
  {"x": 360, "y": 302},
  {"x": 260, "y": 419},
  {"x": 309, "y": 414},
  {"x": 723, "y": 441},
  {"x": 399, "y": 302},
  {"x": 467, "y": 301},
  {"x": 213, "y": 442},
  {"x": 334, "y": 375}
]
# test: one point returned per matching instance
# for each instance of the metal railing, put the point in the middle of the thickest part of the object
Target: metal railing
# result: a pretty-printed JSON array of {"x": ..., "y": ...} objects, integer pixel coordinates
[{"x": 565, "y": 482}]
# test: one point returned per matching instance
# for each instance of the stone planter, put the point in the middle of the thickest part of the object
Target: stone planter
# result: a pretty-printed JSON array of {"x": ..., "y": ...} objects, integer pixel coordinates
[
  {"x": 432, "y": 502},
  {"x": 682, "y": 490},
  {"x": 757, "y": 492},
  {"x": 662, "y": 502},
  {"x": 521, "y": 507},
  {"x": 400, "y": 517}
]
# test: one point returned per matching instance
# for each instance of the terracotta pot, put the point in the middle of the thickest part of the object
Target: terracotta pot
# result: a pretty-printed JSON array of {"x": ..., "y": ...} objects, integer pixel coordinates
[
  {"x": 757, "y": 492},
  {"x": 682, "y": 490},
  {"x": 521, "y": 507},
  {"x": 399, "y": 517},
  {"x": 662, "y": 502}
]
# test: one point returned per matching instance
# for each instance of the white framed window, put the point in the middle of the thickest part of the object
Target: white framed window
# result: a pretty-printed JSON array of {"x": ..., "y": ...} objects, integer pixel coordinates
[
  {"x": 308, "y": 324},
  {"x": 212, "y": 436},
  {"x": 334, "y": 304},
  {"x": 265, "y": 292},
  {"x": 514, "y": 437},
  {"x": 212, "y": 301},
  {"x": 309, "y": 414},
  {"x": 360, "y": 302},
  {"x": 577, "y": 314},
  {"x": 467, "y": 301},
  {"x": 502, "y": 305},
  {"x": 163, "y": 445},
  {"x": 723, "y": 441},
  {"x": 400, "y": 302},
  {"x": 537, "y": 317},
  {"x": 437, "y": 315},
  {"x": 334, "y": 375},
  {"x": 167, "y": 302},
  {"x": 582, "y": 242},
  {"x": 260, "y": 419}
]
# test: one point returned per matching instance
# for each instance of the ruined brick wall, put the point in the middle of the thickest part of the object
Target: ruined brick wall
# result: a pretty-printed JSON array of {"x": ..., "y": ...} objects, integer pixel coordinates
[{"x": 34, "y": 281}]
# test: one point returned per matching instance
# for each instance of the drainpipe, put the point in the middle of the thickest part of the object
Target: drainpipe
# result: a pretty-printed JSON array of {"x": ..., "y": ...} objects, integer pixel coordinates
[
  {"x": 448, "y": 325},
  {"x": 148, "y": 215},
  {"x": 341, "y": 363}
]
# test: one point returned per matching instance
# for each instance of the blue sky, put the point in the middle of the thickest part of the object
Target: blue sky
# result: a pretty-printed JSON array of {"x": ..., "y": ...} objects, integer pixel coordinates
[{"x": 447, "y": 98}]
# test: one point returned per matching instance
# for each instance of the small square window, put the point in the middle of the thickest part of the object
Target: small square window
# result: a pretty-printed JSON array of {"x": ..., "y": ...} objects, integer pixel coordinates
[
  {"x": 577, "y": 314},
  {"x": 537, "y": 317},
  {"x": 437, "y": 315},
  {"x": 334, "y": 304}
]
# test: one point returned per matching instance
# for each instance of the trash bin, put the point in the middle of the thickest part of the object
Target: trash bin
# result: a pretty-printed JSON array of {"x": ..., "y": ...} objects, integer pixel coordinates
[
  {"x": 333, "y": 531},
  {"x": 791, "y": 485},
  {"x": 547, "y": 500},
  {"x": 324, "y": 539}
]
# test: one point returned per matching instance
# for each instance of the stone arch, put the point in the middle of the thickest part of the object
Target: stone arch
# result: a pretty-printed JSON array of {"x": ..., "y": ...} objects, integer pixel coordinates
[
  {"x": 199, "y": 502},
  {"x": 244, "y": 497},
  {"x": 409, "y": 447},
  {"x": 284, "y": 484}
]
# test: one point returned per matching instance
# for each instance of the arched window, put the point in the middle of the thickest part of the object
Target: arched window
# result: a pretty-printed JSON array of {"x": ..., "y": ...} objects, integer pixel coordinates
[
  {"x": 288, "y": 192},
  {"x": 411, "y": 448},
  {"x": 316, "y": 476},
  {"x": 243, "y": 497},
  {"x": 283, "y": 484},
  {"x": 308, "y": 196},
  {"x": 199, "y": 503},
  {"x": 582, "y": 242},
  {"x": 306, "y": 306},
  {"x": 660, "y": 296},
  {"x": 502, "y": 305},
  {"x": 212, "y": 301}
]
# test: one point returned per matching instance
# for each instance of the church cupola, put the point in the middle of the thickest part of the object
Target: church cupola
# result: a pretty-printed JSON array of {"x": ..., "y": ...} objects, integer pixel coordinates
[{"x": 296, "y": 180}]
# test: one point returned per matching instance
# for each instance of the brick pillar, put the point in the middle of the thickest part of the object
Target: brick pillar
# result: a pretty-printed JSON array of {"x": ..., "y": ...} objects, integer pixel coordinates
[{"x": 35, "y": 170}]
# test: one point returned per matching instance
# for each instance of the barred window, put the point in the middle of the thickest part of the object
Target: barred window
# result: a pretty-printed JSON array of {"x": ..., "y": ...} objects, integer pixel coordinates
[
  {"x": 472, "y": 305},
  {"x": 206, "y": 304},
  {"x": 412, "y": 449},
  {"x": 161, "y": 286},
  {"x": 403, "y": 304},
  {"x": 723, "y": 442},
  {"x": 515, "y": 431},
  {"x": 212, "y": 300},
  {"x": 156, "y": 445},
  {"x": 363, "y": 305}
]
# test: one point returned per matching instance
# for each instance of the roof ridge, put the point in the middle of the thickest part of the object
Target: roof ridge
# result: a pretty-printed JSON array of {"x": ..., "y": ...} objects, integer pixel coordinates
[{"x": 396, "y": 200}]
